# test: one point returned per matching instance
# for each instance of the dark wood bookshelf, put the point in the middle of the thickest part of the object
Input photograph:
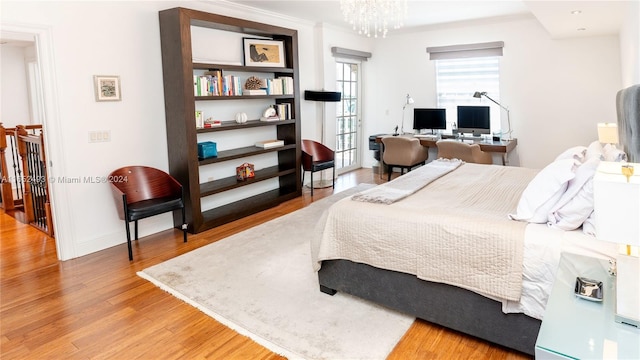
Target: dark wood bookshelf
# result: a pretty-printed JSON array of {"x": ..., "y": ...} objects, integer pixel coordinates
[{"x": 182, "y": 136}]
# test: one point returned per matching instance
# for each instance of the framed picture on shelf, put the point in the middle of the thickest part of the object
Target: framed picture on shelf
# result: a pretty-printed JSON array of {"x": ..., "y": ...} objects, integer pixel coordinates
[
  {"x": 263, "y": 52},
  {"x": 107, "y": 87}
]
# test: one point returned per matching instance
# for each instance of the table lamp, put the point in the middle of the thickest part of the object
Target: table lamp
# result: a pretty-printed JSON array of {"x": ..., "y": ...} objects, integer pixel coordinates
[
  {"x": 616, "y": 192},
  {"x": 608, "y": 133}
]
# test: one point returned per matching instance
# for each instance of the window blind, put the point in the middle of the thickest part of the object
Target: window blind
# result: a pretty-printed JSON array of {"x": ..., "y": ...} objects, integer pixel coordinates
[{"x": 466, "y": 50}]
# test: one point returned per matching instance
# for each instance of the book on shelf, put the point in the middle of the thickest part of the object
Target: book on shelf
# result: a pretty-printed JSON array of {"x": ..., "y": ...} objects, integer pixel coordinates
[
  {"x": 268, "y": 144},
  {"x": 255, "y": 92},
  {"x": 270, "y": 118},
  {"x": 199, "y": 119}
]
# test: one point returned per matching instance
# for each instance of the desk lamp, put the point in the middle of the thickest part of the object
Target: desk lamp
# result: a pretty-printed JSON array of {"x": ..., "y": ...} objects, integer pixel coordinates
[
  {"x": 616, "y": 193},
  {"x": 479, "y": 95},
  {"x": 408, "y": 101}
]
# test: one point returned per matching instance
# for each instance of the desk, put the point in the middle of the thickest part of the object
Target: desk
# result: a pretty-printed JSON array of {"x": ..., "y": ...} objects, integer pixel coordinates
[{"x": 502, "y": 147}]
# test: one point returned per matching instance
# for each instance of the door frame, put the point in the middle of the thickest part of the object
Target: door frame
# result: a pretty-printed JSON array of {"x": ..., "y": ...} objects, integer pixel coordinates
[
  {"x": 359, "y": 137},
  {"x": 52, "y": 129}
]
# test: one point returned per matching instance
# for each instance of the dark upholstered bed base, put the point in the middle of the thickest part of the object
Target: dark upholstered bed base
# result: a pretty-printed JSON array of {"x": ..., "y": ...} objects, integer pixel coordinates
[{"x": 442, "y": 304}]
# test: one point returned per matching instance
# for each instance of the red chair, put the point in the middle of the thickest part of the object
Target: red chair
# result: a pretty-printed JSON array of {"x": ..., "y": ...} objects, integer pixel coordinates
[
  {"x": 317, "y": 157},
  {"x": 141, "y": 192}
]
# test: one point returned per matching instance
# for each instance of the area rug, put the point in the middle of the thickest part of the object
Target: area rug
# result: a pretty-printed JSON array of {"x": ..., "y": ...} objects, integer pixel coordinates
[{"x": 261, "y": 283}]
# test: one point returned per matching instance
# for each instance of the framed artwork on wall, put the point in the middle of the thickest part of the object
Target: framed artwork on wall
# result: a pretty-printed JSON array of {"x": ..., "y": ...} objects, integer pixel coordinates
[
  {"x": 262, "y": 52},
  {"x": 107, "y": 87}
]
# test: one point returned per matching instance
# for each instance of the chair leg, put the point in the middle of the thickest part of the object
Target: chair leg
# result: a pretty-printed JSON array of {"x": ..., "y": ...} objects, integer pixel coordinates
[
  {"x": 303, "y": 177},
  {"x": 333, "y": 178},
  {"x": 311, "y": 183},
  {"x": 136, "y": 229},
  {"x": 389, "y": 171},
  {"x": 184, "y": 226},
  {"x": 126, "y": 225}
]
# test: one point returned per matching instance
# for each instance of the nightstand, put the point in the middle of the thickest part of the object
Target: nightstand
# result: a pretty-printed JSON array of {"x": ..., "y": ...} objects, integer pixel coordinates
[{"x": 582, "y": 329}]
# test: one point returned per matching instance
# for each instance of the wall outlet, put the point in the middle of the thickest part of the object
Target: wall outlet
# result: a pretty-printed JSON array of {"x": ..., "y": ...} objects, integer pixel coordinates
[{"x": 99, "y": 136}]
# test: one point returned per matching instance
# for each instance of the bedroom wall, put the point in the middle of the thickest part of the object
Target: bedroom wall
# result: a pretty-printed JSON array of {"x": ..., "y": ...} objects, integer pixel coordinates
[
  {"x": 14, "y": 98},
  {"x": 557, "y": 90},
  {"x": 630, "y": 45},
  {"x": 115, "y": 38}
]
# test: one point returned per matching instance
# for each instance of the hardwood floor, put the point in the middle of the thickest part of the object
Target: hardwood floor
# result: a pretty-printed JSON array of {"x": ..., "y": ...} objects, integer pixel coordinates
[{"x": 97, "y": 307}]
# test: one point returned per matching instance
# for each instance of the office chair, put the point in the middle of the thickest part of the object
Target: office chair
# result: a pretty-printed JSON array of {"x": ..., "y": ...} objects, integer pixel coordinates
[
  {"x": 403, "y": 152},
  {"x": 140, "y": 192},
  {"x": 317, "y": 157},
  {"x": 471, "y": 153}
]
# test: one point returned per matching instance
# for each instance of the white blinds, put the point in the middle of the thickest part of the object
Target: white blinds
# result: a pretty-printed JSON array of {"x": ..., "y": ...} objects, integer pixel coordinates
[{"x": 458, "y": 79}]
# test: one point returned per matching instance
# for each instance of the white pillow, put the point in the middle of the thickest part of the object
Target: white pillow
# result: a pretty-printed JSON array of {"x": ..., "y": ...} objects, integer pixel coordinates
[
  {"x": 544, "y": 191},
  {"x": 594, "y": 150},
  {"x": 576, "y": 152},
  {"x": 574, "y": 213},
  {"x": 612, "y": 153},
  {"x": 589, "y": 225},
  {"x": 584, "y": 173}
]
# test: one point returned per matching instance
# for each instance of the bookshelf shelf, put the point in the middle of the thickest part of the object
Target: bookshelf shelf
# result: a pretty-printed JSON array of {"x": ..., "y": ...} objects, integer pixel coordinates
[{"x": 182, "y": 136}]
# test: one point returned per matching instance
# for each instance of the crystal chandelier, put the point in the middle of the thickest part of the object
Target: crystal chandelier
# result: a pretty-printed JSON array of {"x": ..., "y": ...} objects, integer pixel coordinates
[{"x": 372, "y": 17}]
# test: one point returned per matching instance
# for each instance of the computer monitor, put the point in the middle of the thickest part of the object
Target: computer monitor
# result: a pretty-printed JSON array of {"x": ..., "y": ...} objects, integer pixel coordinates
[
  {"x": 474, "y": 120},
  {"x": 429, "y": 119}
]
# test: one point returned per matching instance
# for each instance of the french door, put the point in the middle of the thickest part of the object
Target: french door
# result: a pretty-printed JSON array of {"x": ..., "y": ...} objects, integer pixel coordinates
[{"x": 348, "y": 120}]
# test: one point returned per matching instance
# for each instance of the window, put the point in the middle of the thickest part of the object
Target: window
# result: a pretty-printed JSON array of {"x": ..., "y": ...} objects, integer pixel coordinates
[{"x": 458, "y": 79}]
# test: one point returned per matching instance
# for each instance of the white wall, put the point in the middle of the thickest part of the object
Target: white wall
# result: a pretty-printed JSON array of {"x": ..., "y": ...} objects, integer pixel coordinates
[
  {"x": 630, "y": 45},
  {"x": 557, "y": 90},
  {"x": 14, "y": 96},
  {"x": 114, "y": 38}
]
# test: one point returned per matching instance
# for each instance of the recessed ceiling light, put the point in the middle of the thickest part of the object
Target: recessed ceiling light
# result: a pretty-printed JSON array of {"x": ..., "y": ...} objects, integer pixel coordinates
[
  {"x": 581, "y": 29},
  {"x": 576, "y": 12}
]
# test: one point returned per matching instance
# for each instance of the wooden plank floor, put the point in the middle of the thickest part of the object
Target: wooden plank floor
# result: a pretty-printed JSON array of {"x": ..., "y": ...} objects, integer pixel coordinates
[{"x": 96, "y": 307}]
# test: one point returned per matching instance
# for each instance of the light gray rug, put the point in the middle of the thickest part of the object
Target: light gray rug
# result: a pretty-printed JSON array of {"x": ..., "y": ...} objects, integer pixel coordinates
[{"x": 260, "y": 282}]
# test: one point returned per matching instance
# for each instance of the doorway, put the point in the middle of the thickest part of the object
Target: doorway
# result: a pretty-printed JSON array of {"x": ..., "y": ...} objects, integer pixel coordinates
[
  {"x": 348, "y": 120},
  {"x": 32, "y": 89}
]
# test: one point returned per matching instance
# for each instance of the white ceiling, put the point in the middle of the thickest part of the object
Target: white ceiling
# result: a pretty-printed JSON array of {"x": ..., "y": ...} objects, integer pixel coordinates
[{"x": 597, "y": 17}]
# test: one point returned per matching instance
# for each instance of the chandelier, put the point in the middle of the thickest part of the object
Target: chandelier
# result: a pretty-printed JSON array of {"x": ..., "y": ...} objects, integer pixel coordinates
[{"x": 372, "y": 17}]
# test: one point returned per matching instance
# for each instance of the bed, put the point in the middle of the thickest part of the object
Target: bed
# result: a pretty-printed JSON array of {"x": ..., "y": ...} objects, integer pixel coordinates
[{"x": 475, "y": 248}]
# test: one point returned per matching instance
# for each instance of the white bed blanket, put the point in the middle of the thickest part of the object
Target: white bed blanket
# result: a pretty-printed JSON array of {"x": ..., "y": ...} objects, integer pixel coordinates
[
  {"x": 450, "y": 231},
  {"x": 401, "y": 187}
]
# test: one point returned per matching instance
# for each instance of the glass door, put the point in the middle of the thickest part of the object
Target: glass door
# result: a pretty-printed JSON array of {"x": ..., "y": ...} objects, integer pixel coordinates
[{"x": 348, "y": 139}]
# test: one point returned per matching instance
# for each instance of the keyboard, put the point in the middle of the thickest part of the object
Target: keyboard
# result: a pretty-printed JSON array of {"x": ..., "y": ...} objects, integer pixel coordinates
[{"x": 428, "y": 136}]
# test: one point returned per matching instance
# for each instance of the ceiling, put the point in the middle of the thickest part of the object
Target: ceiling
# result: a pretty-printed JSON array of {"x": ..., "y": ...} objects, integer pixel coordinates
[{"x": 596, "y": 17}]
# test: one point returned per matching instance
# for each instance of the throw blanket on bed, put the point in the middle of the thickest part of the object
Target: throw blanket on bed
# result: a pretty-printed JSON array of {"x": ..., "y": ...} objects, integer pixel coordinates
[
  {"x": 408, "y": 184},
  {"x": 454, "y": 231}
]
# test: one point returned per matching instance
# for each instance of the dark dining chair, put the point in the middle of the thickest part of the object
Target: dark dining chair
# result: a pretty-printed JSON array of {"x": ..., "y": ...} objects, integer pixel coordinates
[
  {"x": 317, "y": 157},
  {"x": 141, "y": 192}
]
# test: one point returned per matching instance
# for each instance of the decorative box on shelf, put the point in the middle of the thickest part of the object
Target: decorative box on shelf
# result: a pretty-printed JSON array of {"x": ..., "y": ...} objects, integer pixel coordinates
[
  {"x": 244, "y": 172},
  {"x": 207, "y": 149}
]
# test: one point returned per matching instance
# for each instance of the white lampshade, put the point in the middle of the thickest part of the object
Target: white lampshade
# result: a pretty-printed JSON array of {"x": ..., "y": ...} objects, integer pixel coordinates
[
  {"x": 617, "y": 203},
  {"x": 608, "y": 133}
]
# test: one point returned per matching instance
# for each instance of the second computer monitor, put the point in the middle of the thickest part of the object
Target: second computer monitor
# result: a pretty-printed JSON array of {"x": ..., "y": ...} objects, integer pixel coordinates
[
  {"x": 429, "y": 119},
  {"x": 474, "y": 120}
]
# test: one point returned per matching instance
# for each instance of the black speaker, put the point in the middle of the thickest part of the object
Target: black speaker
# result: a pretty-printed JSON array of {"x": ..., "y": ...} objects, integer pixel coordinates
[{"x": 326, "y": 96}]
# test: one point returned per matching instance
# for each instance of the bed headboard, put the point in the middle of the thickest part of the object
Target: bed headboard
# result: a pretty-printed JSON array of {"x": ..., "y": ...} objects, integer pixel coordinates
[{"x": 628, "y": 108}]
